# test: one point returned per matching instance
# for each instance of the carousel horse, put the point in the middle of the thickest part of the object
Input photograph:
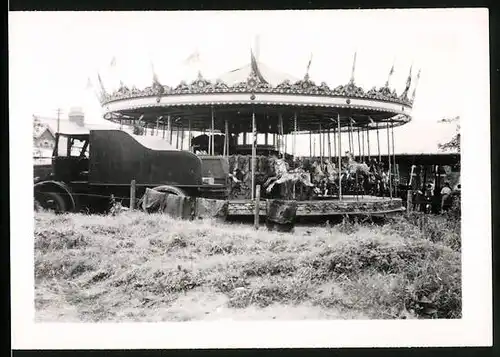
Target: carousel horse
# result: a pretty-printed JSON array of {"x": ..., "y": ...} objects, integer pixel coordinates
[
  {"x": 282, "y": 175},
  {"x": 355, "y": 167},
  {"x": 317, "y": 172},
  {"x": 331, "y": 176},
  {"x": 357, "y": 170}
]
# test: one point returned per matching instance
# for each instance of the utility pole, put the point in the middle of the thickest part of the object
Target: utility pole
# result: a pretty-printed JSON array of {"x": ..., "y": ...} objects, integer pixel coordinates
[{"x": 58, "y": 118}]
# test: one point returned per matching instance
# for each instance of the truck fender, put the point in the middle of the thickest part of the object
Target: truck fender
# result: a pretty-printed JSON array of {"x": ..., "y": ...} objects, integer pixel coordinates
[
  {"x": 59, "y": 187},
  {"x": 171, "y": 189}
]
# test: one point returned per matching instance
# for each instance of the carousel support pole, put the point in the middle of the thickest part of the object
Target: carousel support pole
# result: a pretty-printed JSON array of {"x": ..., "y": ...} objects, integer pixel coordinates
[
  {"x": 389, "y": 160},
  {"x": 340, "y": 157},
  {"x": 320, "y": 146},
  {"x": 121, "y": 125},
  {"x": 325, "y": 142},
  {"x": 396, "y": 174},
  {"x": 189, "y": 135},
  {"x": 359, "y": 146},
  {"x": 169, "y": 120},
  {"x": 352, "y": 137},
  {"x": 212, "y": 141},
  {"x": 294, "y": 144},
  {"x": 363, "y": 145},
  {"x": 157, "y": 124},
  {"x": 368, "y": 143},
  {"x": 334, "y": 143},
  {"x": 226, "y": 138},
  {"x": 378, "y": 146},
  {"x": 282, "y": 136},
  {"x": 349, "y": 137},
  {"x": 163, "y": 129},
  {"x": 310, "y": 144},
  {"x": 329, "y": 146},
  {"x": 177, "y": 137},
  {"x": 254, "y": 152},
  {"x": 182, "y": 137}
]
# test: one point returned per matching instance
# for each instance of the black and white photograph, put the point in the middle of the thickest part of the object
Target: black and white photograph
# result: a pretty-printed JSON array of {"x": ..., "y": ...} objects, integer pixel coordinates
[{"x": 250, "y": 178}]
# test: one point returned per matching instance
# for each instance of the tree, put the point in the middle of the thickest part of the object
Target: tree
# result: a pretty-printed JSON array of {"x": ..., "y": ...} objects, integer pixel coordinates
[{"x": 454, "y": 142}]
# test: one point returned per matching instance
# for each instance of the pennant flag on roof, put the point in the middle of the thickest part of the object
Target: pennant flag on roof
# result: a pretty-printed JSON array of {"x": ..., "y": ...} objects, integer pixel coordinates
[
  {"x": 255, "y": 68},
  {"x": 101, "y": 84},
  {"x": 408, "y": 82},
  {"x": 113, "y": 62},
  {"x": 391, "y": 72},
  {"x": 416, "y": 84},
  {"x": 309, "y": 65},
  {"x": 89, "y": 83},
  {"x": 353, "y": 67},
  {"x": 155, "y": 76}
]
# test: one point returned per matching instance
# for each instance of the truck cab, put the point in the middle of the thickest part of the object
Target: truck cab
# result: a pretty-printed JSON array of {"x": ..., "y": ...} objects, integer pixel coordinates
[
  {"x": 100, "y": 164},
  {"x": 70, "y": 158}
]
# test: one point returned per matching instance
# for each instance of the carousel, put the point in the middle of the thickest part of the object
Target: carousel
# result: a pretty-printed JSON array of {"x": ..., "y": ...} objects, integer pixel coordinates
[{"x": 252, "y": 117}]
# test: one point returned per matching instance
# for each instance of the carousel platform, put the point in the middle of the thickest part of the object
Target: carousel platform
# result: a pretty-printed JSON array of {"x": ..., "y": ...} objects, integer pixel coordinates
[{"x": 353, "y": 205}]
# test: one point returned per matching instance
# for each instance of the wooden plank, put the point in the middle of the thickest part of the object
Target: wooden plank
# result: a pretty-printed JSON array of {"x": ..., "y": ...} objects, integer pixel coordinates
[{"x": 373, "y": 205}]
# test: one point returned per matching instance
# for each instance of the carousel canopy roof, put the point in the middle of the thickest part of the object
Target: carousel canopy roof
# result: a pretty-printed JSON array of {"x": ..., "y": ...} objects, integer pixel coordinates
[
  {"x": 258, "y": 90},
  {"x": 265, "y": 74}
]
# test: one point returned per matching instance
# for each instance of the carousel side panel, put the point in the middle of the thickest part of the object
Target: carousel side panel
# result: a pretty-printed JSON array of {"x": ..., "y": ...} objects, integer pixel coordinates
[
  {"x": 117, "y": 158},
  {"x": 349, "y": 206}
]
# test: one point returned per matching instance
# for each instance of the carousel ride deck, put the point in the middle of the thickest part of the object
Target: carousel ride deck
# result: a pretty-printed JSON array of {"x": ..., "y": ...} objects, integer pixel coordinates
[{"x": 370, "y": 205}]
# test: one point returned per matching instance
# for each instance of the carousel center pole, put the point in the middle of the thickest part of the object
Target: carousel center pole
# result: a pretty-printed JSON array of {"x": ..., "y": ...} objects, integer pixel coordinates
[
  {"x": 340, "y": 157},
  {"x": 254, "y": 153},
  {"x": 389, "y": 160}
]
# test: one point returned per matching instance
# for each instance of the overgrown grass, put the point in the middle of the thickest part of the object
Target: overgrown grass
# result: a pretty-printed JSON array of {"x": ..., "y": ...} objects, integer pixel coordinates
[{"x": 134, "y": 266}]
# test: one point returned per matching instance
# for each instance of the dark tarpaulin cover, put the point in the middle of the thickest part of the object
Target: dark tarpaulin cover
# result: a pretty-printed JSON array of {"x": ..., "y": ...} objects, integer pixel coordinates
[
  {"x": 153, "y": 201},
  {"x": 281, "y": 212},
  {"x": 183, "y": 207},
  {"x": 211, "y": 208}
]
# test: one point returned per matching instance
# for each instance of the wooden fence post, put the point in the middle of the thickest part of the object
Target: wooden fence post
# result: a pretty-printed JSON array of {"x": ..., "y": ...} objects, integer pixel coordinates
[
  {"x": 256, "y": 207},
  {"x": 132, "y": 195}
]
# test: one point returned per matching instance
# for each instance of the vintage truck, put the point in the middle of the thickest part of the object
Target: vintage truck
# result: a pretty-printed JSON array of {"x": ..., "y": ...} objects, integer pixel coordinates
[{"x": 91, "y": 168}]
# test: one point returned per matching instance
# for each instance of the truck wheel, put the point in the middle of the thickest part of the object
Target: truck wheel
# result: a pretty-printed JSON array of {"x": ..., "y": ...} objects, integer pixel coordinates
[
  {"x": 53, "y": 201},
  {"x": 171, "y": 189}
]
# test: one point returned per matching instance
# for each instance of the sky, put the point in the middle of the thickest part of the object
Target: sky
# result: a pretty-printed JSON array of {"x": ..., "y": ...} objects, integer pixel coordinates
[{"x": 52, "y": 55}]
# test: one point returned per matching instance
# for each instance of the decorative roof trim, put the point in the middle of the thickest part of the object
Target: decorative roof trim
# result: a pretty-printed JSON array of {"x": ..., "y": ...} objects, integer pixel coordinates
[
  {"x": 304, "y": 87},
  {"x": 231, "y": 98}
]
